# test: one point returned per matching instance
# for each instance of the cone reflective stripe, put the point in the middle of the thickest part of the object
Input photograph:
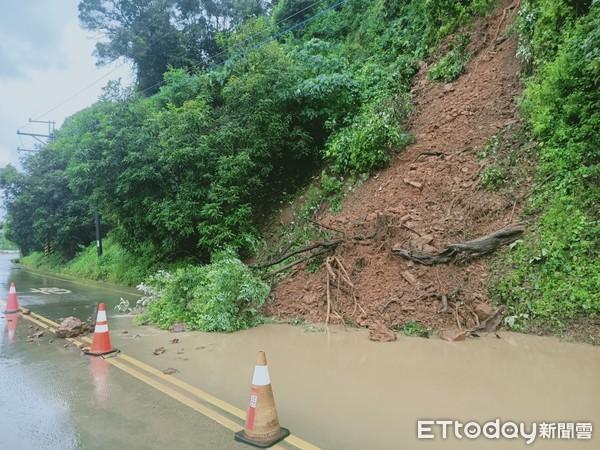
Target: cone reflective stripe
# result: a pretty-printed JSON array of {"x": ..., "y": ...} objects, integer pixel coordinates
[
  {"x": 101, "y": 341},
  {"x": 12, "y": 303},
  {"x": 11, "y": 324},
  {"x": 262, "y": 425}
]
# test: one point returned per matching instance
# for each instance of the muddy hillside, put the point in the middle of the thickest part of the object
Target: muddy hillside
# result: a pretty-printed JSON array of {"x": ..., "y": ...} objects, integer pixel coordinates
[{"x": 426, "y": 199}]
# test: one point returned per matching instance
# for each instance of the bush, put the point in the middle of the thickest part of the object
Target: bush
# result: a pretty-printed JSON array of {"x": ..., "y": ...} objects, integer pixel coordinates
[
  {"x": 221, "y": 296},
  {"x": 5, "y": 244},
  {"x": 365, "y": 145},
  {"x": 448, "y": 15},
  {"x": 451, "y": 66},
  {"x": 553, "y": 277}
]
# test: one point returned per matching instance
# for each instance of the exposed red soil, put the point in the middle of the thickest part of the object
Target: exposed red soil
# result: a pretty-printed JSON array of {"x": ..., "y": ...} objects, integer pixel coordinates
[{"x": 423, "y": 202}]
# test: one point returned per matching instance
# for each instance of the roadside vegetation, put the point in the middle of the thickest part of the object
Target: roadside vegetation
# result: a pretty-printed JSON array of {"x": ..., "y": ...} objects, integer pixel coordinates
[
  {"x": 233, "y": 118},
  {"x": 225, "y": 123},
  {"x": 551, "y": 278},
  {"x": 5, "y": 244}
]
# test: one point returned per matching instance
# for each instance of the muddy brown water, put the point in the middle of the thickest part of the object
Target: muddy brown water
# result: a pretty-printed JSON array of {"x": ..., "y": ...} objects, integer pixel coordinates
[
  {"x": 338, "y": 390},
  {"x": 333, "y": 387}
]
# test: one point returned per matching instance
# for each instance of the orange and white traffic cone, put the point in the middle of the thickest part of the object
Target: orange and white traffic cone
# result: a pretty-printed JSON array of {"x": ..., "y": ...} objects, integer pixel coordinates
[
  {"x": 11, "y": 324},
  {"x": 262, "y": 425},
  {"x": 101, "y": 341},
  {"x": 12, "y": 303}
]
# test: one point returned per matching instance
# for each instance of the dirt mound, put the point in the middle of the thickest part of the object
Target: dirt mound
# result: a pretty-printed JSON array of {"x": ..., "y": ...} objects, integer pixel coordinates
[{"x": 427, "y": 198}]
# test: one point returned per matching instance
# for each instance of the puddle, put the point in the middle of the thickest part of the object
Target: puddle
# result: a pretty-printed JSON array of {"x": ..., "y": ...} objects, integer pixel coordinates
[
  {"x": 337, "y": 389},
  {"x": 333, "y": 388}
]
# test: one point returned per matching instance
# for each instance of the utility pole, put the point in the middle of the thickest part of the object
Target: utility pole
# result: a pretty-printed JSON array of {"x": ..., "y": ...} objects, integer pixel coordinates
[
  {"x": 51, "y": 130},
  {"x": 98, "y": 238}
]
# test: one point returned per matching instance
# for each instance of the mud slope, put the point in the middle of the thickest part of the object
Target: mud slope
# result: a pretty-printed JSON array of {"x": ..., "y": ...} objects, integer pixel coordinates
[{"x": 424, "y": 202}]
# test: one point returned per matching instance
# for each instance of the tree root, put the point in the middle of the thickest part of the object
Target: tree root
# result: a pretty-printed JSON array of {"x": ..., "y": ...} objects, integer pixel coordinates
[
  {"x": 476, "y": 247},
  {"x": 336, "y": 272}
]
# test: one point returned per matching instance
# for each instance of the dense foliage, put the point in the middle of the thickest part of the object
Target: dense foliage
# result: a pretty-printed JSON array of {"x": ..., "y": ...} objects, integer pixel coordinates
[
  {"x": 157, "y": 34},
  {"x": 553, "y": 276},
  {"x": 5, "y": 244},
  {"x": 117, "y": 265},
  {"x": 195, "y": 167},
  {"x": 246, "y": 107},
  {"x": 221, "y": 296}
]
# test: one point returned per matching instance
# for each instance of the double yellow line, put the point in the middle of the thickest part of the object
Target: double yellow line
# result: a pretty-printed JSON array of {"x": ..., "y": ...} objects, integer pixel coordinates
[{"x": 221, "y": 412}]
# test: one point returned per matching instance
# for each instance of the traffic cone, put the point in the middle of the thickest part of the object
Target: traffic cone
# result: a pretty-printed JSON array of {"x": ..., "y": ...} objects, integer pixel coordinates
[
  {"x": 101, "y": 340},
  {"x": 262, "y": 425},
  {"x": 12, "y": 303},
  {"x": 11, "y": 324}
]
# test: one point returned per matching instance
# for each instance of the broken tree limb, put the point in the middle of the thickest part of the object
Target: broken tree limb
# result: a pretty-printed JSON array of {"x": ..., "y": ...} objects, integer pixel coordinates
[
  {"x": 325, "y": 245},
  {"x": 336, "y": 271},
  {"x": 327, "y": 227},
  {"x": 292, "y": 264},
  {"x": 492, "y": 323},
  {"x": 476, "y": 247}
]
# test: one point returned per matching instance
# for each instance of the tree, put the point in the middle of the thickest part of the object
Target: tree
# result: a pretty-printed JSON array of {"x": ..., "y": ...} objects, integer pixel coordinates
[
  {"x": 157, "y": 34},
  {"x": 42, "y": 209},
  {"x": 139, "y": 30}
]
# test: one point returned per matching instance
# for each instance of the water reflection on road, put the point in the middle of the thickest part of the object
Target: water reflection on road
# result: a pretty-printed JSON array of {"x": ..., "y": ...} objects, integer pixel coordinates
[{"x": 54, "y": 398}]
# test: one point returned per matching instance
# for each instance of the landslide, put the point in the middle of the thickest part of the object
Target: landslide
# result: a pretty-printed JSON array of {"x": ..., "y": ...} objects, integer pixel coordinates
[{"x": 430, "y": 195}]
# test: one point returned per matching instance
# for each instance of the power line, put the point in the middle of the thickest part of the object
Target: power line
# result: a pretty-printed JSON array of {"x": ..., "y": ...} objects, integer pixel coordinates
[
  {"x": 249, "y": 38},
  {"x": 254, "y": 47},
  {"x": 82, "y": 90},
  {"x": 146, "y": 29},
  {"x": 212, "y": 58}
]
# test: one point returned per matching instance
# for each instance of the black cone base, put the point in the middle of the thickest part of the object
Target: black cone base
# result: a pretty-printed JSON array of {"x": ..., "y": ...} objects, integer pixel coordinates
[{"x": 241, "y": 437}]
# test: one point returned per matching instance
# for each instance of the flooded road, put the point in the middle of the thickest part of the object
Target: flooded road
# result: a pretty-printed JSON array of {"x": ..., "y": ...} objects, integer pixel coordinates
[
  {"x": 333, "y": 388},
  {"x": 339, "y": 390},
  {"x": 53, "y": 398}
]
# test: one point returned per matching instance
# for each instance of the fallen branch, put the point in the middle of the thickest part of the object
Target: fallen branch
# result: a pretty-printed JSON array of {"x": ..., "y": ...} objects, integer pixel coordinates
[
  {"x": 476, "y": 247},
  {"x": 314, "y": 222},
  {"x": 514, "y": 4},
  {"x": 395, "y": 300},
  {"x": 327, "y": 245},
  {"x": 492, "y": 323},
  {"x": 292, "y": 264},
  {"x": 443, "y": 298}
]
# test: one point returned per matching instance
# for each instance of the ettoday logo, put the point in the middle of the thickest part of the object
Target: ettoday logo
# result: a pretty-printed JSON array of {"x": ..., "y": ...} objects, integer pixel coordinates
[{"x": 495, "y": 429}]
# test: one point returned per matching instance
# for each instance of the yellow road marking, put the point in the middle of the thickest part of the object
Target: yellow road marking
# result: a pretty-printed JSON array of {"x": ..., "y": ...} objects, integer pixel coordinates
[
  {"x": 227, "y": 423},
  {"x": 191, "y": 389},
  {"x": 220, "y": 419}
]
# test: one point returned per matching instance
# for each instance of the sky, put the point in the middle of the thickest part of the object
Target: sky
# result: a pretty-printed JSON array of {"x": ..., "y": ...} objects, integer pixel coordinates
[{"x": 47, "y": 70}]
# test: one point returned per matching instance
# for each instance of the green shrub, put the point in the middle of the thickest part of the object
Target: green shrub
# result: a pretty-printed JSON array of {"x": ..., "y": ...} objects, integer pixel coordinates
[
  {"x": 365, "y": 145},
  {"x": 453, "y": 64},
  {"x": 221, "y": 296},
  {"x": 5, "y": 244},
  {"x": 446, "y": 16},
  {"x": 116, "y": 265},
  {"x": 553, "y": 276},
  {"x": 414, "y": 329}
]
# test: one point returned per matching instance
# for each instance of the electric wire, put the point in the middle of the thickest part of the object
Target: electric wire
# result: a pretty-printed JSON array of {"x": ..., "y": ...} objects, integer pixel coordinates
[
  {"x": 37, "y": 115},
  {"x": 252, "y": 36},
  {"x": 253, "y": 47},
  {"x": 45, "y": 113}
]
